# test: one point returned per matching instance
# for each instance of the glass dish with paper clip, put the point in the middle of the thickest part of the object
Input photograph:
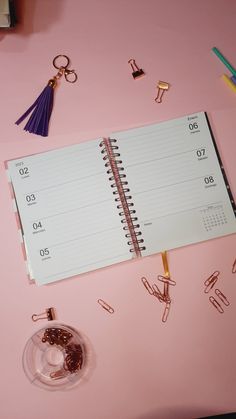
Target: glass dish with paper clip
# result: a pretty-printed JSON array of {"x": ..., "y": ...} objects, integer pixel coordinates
[{"x": 55, "y": 357}]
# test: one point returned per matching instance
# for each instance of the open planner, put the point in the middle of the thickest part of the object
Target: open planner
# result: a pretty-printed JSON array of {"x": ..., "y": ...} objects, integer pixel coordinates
[{"x": 139, "y": 192}]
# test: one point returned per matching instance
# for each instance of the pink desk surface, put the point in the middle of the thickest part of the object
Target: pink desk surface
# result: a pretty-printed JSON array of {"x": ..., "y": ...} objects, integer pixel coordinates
[{"x": 142, "y": 368}]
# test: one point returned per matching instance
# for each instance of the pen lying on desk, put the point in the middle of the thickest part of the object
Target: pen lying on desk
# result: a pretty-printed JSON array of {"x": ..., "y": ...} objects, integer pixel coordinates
[{"x": 230, "y": 81}]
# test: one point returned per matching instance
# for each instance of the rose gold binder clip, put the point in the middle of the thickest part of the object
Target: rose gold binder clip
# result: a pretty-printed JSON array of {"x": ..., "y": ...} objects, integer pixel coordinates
[
  {"x": 222, "y": 297},
  {"x": 217, "y": 305},
  {"x": 211, "y": 281},
  {"x": 234, "y": 267},
  {"x": 137, "y": 72},
  {"x": 106, "y": 306},
  {"x": 162, "y": 86},
  {"x": 49, "y": 314}
]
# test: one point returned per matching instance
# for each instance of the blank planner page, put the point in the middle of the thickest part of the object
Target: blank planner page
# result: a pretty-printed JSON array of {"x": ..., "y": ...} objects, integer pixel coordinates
[
  {"x": 68, "y": 213},
  {"x": 176, "y": 183}
]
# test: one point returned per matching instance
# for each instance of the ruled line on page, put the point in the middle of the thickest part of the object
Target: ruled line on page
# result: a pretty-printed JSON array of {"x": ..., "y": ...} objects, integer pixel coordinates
[
  {"x": 97, "y": 233},
  {"x": 70, "y": 211},
  {"x": 178, "y": 212},
  {"x": 163, "y": 158},
  {"x": 172, "y": 184}
]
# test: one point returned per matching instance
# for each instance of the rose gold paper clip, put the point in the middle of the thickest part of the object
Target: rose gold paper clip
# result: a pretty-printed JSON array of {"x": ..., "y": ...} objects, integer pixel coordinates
[
  {"x": 210, "y": 281},
  {"x": 166, "y": 280},
  {"x": 147, "y": 285},
  {"x": 234, "y": 267},
  {"x": 157, "y": 293},
  {"x": 166, "y": 312},
  {"x": 217, "y": 305},
  {"x": 222, "y": 297},
  {"x": 106, "y": 306}
]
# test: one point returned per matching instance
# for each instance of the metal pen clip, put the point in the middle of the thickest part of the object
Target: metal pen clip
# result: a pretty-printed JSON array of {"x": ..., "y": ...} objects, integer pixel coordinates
[
  {"x": 61, "y": 63},
  {"x": 222, "y": 297},
  {"x": 137, "y": 72},
  {"x": 162, "y": 86},
  {"x": 106, "y": 306},
  {"x": 49, "y": 314},
  {"x": 217, "y": 305}
]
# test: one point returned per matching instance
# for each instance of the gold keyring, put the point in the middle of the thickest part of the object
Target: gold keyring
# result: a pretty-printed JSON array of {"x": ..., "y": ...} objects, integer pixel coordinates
[
  {"x": 61, "y": 66},
  {"x": 67, "y": 76}
]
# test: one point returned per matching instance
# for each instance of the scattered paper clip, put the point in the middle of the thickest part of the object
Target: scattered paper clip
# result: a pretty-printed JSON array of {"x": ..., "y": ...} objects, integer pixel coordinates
[
  {"x": 147, "y": 285},
  {"x": 166, "y": 280},
  {"x": 106, "y": 306},
  {"x": 234, "y": 267},
  {"x": 48, "y": 314},
  {"x": 57, "y": 375},
  {"x": 217, "y": 305},
  {"x": 157, "y": 293},
  {"x": 166, "y": 312},
  {"x": 162, "y": 86},
  {"x": 137, "y": 72},
  {"x": 211, "y": 280},
  {"x": 222, "y": 297}
]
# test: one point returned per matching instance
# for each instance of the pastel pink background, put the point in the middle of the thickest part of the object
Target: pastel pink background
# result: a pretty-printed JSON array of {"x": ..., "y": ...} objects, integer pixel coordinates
[{"x": 142, "y": 368}]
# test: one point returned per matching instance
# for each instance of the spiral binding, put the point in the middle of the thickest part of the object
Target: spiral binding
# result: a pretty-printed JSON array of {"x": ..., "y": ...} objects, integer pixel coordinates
[{"x": 121, "y": 191}]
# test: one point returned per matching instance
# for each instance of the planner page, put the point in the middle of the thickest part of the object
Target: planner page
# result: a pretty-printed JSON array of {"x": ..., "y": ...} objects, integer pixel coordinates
[
  {"x": 177, "y": 184},
  {"x": 67, "y": 210}
]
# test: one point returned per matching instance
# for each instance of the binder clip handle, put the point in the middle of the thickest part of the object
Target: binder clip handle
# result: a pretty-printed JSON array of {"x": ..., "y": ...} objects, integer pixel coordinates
[
  {"x": 137, "y": 72},
  {"x": 49, "y": 314},
  {"x": 162, "y": 86}
]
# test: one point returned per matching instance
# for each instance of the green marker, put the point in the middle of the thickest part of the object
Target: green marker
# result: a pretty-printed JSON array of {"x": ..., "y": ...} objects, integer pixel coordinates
[{"x": 224, "y": 61}]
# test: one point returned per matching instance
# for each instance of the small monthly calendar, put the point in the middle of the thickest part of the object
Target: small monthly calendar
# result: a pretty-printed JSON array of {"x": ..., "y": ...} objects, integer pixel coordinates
[
  {"x": 214, "y": 217},
  {"x": 139, "y": 192}
]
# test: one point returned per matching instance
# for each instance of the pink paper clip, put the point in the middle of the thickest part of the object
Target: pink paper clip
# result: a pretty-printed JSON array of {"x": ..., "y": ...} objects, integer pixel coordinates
[
  {"x": 166, "y": 312},
  {"x": 234, "y": 267},
  {"x": 211, "y": 277},
  {"x": 222, "y": 297},
  {"x": 217, "y": 305},
  {"x": 210, "y": 282},
  {"x": 157, "y": 293},
  {"x": 147, "y": 285},
  {"x": 166, "y": 280},
  {"x": 106, "y": 306}
]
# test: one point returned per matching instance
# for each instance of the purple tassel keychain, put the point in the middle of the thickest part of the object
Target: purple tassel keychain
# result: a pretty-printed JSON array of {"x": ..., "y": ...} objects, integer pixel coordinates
[{"x": 41, "y": 109}]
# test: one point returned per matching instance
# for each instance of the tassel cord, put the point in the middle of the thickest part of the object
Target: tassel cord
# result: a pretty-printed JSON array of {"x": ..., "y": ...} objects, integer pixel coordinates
[{"x": 39, "y": 120}]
